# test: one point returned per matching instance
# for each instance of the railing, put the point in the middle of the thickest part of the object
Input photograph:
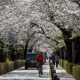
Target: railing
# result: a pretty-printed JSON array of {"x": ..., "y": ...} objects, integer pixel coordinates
[{"x": 53, "y": 71}]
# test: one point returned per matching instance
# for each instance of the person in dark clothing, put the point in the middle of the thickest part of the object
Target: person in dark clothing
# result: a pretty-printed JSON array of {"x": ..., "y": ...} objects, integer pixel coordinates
[
  {"x": 53, "y": 59},
  {"x": 56, "y": 60}
]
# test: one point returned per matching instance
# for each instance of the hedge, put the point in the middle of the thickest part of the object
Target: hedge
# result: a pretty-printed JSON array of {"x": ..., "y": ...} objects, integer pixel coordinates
[
  {"x": 18, "y": 63},
  {"x": 71, "y": 68},
  {"x": 2, "y": 68},
  {"x": 10, "y": 65},
  {"x": 65, "y": 62},
  {"x": 61, "y": 62},
  {"x": 76, "y": 72}
]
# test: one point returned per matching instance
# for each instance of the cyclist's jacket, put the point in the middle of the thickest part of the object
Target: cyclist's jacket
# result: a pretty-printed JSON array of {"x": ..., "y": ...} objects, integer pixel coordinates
[{"x": 40, "y": 58}]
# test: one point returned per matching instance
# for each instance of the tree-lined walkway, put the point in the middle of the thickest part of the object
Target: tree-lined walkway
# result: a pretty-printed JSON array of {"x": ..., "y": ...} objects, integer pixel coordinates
[
  {"x": 30, "y": 74},
  {"x": 62, "y": 74}
]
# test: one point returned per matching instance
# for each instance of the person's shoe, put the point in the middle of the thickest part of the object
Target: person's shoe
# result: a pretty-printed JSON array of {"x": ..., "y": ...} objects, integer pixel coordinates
[{"x": 41, "y": 73}]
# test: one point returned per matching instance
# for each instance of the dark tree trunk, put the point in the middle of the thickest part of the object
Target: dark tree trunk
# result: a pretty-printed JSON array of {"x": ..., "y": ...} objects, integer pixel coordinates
[
  {"x": 1, "y": 55},
  {"x": 69, "y": 50},
  {"x": 12, "y": 53},
  {"x": 62, "y": 53},
  {"x": 25, "y": 49},
  {"x": 67, "y": 35},
  {"x": 76, "y": 50}
]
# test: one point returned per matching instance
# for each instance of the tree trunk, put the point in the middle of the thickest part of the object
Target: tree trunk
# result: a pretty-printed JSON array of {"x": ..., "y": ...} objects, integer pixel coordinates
[
  {"x": 69, "y": 50},
  {"x": 1, "y": 55},
  {"x": 67, "y": 35},
  {"x": 25, "y": 50},
  {"x": 76, "y": 50},
  {"x": 62, "y": 53}
]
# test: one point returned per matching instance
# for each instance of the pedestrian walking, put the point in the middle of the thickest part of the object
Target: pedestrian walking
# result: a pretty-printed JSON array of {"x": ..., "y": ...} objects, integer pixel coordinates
[
  {"x": 53, "y": 59},
  {"x": 56, "y": 60},
  {"x": 40, "y": 60}
]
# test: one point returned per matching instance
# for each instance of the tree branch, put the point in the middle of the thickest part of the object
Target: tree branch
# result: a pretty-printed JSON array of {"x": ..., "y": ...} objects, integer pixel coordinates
[
  {"x": 77, "y": 2},
  {"x": 43, "y": 32}
]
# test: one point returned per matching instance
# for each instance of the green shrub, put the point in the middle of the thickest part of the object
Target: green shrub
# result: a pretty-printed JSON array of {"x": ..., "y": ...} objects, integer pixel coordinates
[
  {"x": 70, "y": 68},
  {"x": 65, "y": 64},
  {"x": 23, "y": 61},
  {"x": 18, "y": 64},
  {"x": 11, "y": 64},
  {"x": 8, "y": 66},
  {"x": 61, "y": 62},
  {"x": 2, "y": 68},
  {"x": 76, "y": 72}
]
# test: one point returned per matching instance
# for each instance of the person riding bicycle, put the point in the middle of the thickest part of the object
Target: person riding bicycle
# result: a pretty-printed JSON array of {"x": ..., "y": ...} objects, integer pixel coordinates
[{"x": 40, "y": 60}]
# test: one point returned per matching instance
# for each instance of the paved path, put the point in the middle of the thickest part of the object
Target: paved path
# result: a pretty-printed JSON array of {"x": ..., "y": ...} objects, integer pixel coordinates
[
  {"x": 30, "y": 74},
  {"x": 63, "y": 75}
]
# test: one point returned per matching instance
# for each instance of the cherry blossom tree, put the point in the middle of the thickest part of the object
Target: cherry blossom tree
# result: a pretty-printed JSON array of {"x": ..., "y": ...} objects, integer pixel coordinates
[{"x": 26, "y": 20}]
